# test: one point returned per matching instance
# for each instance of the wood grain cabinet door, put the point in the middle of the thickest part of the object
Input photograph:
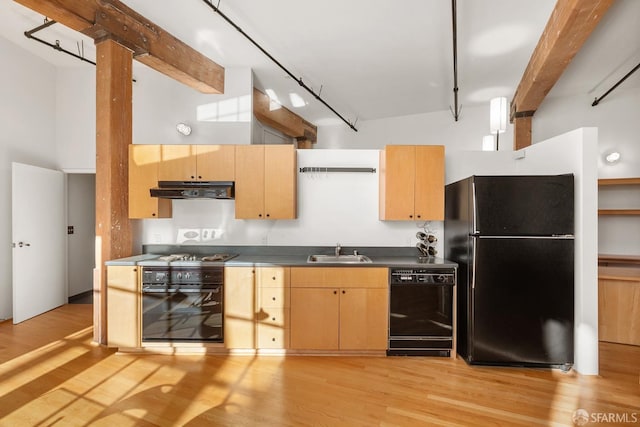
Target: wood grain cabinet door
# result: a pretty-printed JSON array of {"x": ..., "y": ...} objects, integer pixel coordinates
[
  {"x": 412, "y": 182},
  {"x": 178, "y": 163},
  {"x": 315, "y": 316},
  {"x": 397, "y": 182},
  {"x": 239, "y": 307},
  {"x": 216, "y": 162},
  {"x": 266, "y": 182},
  {"x": 123, "y": 311},
  {"x": 363, "y": 319},
  {"x": 143, "y": 175},
  {"x": 429, "y": 183},
  {"x": 280, "y": 182},
  {"x": 249, "y": 182}
]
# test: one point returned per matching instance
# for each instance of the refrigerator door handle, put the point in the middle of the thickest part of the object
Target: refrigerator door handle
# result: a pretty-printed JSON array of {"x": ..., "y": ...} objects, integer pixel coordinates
[
  {"x": 473, "y": 267},
  {"x": 511, "y": 237}
]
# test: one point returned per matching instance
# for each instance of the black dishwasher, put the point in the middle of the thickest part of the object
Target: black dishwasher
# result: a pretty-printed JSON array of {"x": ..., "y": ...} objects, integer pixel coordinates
[{"x": 421, "y": 315}]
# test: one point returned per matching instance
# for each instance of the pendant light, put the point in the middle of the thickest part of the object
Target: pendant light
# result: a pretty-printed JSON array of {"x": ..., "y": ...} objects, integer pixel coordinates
[{"x": 498, "y": 117}]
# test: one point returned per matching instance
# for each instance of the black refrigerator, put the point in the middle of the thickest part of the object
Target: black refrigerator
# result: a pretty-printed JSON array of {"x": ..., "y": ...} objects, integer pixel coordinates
[{"x": 512, "y": 237}]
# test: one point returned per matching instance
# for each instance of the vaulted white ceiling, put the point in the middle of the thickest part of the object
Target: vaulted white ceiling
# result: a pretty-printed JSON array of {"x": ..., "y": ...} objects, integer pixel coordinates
[{"x": 372, "y": 59}]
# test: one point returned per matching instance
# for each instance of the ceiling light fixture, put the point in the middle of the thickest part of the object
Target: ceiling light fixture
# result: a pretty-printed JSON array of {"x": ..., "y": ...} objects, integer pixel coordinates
[
  {"x": 498, "y": 117},
  {"x": 184, "y": 129},
  {"x": 612, "y": 157}
]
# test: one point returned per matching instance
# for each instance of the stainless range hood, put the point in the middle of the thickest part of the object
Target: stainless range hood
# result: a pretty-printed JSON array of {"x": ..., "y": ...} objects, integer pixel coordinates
[{"x": 194, "y": 190}]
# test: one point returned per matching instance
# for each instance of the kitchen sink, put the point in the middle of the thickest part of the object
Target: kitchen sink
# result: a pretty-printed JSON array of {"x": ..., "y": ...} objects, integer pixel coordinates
[{"x": 338, "y": 259}]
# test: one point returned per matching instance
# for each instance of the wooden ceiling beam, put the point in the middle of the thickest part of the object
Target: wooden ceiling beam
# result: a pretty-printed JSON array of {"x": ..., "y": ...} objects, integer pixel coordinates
[
  {"x": 569, "y": 26},
  {"x": 154, "y": 47},
  {"x": 282, "y": 119}
]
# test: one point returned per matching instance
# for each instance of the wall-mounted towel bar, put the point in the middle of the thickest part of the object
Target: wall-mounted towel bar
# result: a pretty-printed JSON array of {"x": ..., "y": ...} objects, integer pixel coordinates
[{"x": 335, "y": 169}]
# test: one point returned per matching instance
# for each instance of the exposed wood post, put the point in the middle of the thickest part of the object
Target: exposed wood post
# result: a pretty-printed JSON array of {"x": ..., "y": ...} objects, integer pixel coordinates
[
  {"x": 522, "y": 132},
  {"x": 114, "y": 64}
]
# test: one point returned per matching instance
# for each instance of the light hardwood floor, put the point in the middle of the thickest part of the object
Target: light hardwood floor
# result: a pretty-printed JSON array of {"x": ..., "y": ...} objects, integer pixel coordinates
[{"x": 52, "y": 375}]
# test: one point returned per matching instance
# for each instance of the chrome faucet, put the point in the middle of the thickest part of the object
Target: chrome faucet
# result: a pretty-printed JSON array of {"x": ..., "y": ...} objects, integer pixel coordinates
[{"x": 338, "y": 249}]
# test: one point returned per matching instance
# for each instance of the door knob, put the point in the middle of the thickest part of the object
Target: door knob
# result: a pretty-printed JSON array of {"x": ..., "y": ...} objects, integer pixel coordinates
[{"x": 21, "y": 244}]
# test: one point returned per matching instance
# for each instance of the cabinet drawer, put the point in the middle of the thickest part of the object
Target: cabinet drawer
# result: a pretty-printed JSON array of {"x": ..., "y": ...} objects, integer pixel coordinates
[
  {"x": 270, "y": 336},
  {"x": 274, "y": 297},
  {"x": 273, "y": 277},
  {"x": 342, "y": 277},
  {"x": 274, "y": 316}
]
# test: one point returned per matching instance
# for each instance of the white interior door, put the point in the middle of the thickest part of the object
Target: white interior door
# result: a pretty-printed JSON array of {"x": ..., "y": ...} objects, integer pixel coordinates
[{"x": 38, "y": 228}]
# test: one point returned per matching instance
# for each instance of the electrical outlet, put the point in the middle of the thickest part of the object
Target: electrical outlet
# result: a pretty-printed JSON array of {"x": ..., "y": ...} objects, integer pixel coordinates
[
  {"x": 208, "y": 234},
  {"x": 70, "y": 229}
]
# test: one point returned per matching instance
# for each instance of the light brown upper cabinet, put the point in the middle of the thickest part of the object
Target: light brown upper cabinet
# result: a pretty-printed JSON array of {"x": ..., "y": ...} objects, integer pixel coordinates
[
  {"x": 412, "y": 183},
  {"x": 266, "y": 182},
  {"x": 143, "y": 175},
  {"x": 197, "y": 163}
]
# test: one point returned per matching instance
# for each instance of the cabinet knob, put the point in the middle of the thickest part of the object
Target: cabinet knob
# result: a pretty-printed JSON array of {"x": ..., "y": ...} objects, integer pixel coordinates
[
  {"x": 259, "y": 215},
  {"x": 273, "y": 318},
  {"x": 273, "y": 339},
  {"x": 199, "y": 176},
  {"x": 419, "y": 216},
  {"x": 274, "y": 298},
  {"x": 335, "y": 292},
  {"x": 192, "y": 177},
  {"x": 410, "y": 216},
  {"x": 153, "y": 214},
  {"x": 268, "y": 215},
  {"x": 273, "y": 278}
]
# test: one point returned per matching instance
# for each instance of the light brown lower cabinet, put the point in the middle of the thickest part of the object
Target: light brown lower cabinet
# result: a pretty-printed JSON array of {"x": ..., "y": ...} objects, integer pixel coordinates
[
  {"x": 341, "y": 308},
  {"x": 273, "y": 309},
  {"x": 315, "y": 318},
  {"x": 239, "y": 308},
  {"x": 619, "y": 310},
  {"x": 256, "y": 307},
  {"x": 123, "y": 307},
  {"x": 363, "y": 319}
]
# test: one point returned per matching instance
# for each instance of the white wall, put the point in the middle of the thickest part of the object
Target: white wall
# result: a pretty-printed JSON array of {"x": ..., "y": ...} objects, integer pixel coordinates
[
  {"x": 617, "y": 120},
  {"x": 76, "y": 118},
  {"x": 332, "y": 208},
  {"x": 159, "y": 104},
  {"x": 437, "y": 128},
  {"x": 27, "y": 116},
  {"x": 573, "y": 152}
]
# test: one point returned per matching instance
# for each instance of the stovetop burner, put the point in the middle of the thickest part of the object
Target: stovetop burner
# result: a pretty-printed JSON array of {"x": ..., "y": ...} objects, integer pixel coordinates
[{"x": 193, "y": 257}]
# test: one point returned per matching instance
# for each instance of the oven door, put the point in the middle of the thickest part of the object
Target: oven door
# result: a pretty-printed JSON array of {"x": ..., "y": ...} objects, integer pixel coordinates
[{"x": 182, "y": 314}]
